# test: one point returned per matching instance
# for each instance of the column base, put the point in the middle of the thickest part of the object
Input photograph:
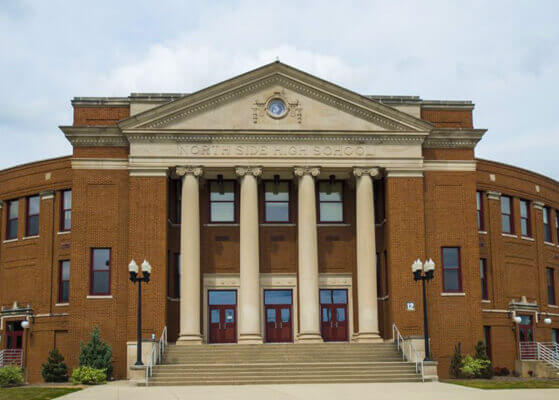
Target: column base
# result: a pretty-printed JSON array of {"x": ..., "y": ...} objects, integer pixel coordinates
[
  {"x": 189, "y": 340},
  {"x": 250, "y": 338},
  {"x": 309, "y": 338},
  {"x": 368, "y": 337}
]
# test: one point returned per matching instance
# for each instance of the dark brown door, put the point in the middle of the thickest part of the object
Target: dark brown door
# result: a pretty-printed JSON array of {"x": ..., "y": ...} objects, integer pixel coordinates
[
  {"x": 278, "y": 314},
  {"x": 222, "y": 308},
  {"x": 333, "y": 312},
  {"x": 525, "y": 329},
  {"x": 14, "y": 335}
]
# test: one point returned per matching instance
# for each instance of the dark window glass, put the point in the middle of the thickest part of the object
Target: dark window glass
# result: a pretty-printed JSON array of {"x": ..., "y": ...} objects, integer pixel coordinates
[
  {"x": 277, "y": 297},
  {"x": 330, "y": 199},
  {"x": 506, "y": 215},
  {"x": 64, "y": 284},
  {"x": 550, "y": 274},
  {"x": 487, "y": 340},
  {"x": 276, "y": 201},
  {"x": 222, "y": 201},
  {"x": 101, "y": 271},
  {"x": 333, "y": 296},
  {"x": 555, "y": 335},
  {"x": 479, "y": 206},
  {"x": 11, "y": 225},
  {"x": 177, "y": 293},
  {"x": 271, "y": 315},
  {"x": 525, "y": 218},
  {"x": 547, "y": 225},
  {"x": 178, "y": 201},
  {"x": 66, "y": 211},
  {"x": 222, "y": 297},
  {"x": 452, "y": 281},
  {"x": 483, "y": 275},
  {"x": 557, "y": 223},
  {"x": 32, "y": 223}
]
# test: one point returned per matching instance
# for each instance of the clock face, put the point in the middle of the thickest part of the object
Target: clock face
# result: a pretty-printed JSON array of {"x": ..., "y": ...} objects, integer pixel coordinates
[{"x": 277, "y": 108}]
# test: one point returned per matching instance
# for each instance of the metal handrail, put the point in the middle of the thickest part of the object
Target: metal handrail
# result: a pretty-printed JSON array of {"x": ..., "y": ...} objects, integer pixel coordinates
[
  {"x": 11, "y": 357},
  {"x": 400, "y": 345},
  {"x": 157, "y": 353},
  {"x": 541, "y": 351}
]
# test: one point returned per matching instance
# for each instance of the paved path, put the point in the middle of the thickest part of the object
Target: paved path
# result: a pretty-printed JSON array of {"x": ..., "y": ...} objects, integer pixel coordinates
[{"x": 122, "y": 390}]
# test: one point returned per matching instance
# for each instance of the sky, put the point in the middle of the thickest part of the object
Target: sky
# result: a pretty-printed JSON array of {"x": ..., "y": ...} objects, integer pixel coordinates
[{"x": 502, "y": 55}]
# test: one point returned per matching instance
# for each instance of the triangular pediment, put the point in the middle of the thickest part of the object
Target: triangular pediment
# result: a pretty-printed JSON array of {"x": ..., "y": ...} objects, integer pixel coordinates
[{"x": 241, "y": 103}]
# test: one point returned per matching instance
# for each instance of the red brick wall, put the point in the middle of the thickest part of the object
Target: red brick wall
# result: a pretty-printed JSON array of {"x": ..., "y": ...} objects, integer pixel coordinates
[
  {"x": 448, "y": 118},
  {"x": 100, "y": 116}
]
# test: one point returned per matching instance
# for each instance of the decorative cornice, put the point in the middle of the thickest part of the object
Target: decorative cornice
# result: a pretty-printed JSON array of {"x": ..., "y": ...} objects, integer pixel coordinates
[
  {"x": 449, "y": 165},
  {"x": 360, "y": 171},
  {"x": 492, "y": 195},
  {"x": 95, "y": 136},
  {"x": 403, "y": 173},
  {"x": 99, "y": 163},
  {"x": 301, "y": 171},
  {"x": 254, "y": 171},
  {"x": 189, "y": 170},
  {"x": 149, "y": 171},
  {"x": 47, "y": 194},
  {"x": 453, "y": 138},
  {"x": 538, "y": 205}
]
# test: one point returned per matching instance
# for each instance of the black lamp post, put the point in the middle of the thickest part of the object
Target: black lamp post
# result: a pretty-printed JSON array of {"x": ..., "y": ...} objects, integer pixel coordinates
[
  {"x": 146, "y": 272},
  {"x": 429, "y": 268}
]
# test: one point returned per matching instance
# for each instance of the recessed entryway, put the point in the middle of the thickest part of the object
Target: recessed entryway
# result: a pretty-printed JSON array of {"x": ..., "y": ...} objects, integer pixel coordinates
[
  {"x": 222, "y": 316},
  {"x": 278, "y": 313},
  {"x": 333, "y": 315}
]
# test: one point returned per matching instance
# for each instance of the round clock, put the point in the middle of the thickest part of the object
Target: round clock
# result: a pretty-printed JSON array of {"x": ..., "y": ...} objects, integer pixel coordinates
[{"x": 277, "y": 108}]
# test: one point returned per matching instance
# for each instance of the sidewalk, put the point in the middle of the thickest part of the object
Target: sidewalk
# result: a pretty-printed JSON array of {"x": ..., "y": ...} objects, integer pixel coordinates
[{"x": 122, "y": 390}]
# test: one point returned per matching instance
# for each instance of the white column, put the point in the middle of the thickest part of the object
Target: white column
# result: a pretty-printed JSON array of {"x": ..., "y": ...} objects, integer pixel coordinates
[
  {"x": 309, "y": 327},
  {"x": 190, "y": 257},
  {"x": 366, "y": 256},
  {"x": 249, "y": 296}
]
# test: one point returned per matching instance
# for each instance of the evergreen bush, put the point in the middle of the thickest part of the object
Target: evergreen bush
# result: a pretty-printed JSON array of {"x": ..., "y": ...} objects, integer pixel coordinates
[
  {"x": 456, "y": 362},
  {"x": 481, "y": 354},
  {"x": 55, "y": 370},
  {"x": 96, "y": 353}
]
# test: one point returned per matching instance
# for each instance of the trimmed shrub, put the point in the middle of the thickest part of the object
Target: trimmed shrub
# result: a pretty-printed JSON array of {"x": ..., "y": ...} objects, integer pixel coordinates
[
  {"x": 473, "y": 367},
  {"x": 11, "y": 376},
  {"x": 89, "y": 376},
  {"x": 96, "y": 353},
  {"x": 456, "y": 362},
  {"x": 481, "y": 354},
  {"x": 55, "y": 370}
]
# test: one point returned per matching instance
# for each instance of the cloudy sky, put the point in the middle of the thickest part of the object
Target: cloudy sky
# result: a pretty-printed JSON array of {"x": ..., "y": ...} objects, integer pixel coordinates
[{"x": 503, "y": 55}]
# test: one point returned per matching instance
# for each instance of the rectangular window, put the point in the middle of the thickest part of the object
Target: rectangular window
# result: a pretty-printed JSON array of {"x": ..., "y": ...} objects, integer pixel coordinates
[
  {"x": 32, "y": 220},
  {"x": 507, "y": 223},
  {"x": 11, "y": 223},
  {"x": 452, "y": 280},
  {"x": 178, "y": 201},
  {"x": 479, "y": 206},
  {"x": 100, "y": 272},
  {"x": 525, "y": 224},
  {"x": 487, "y": 340},
  {"x": 547, "y": 225},
  {"x": 64, "y": 282},
  {"x": 222, "y": 201},
  {"x": 66, "y": 211},
  {"x": 330, "y": 201},
  {"x": 177, "y": 293},
  {"x": 555, "y": 336},
  {"x": 276, "y": 201},
  {"x": 550, "y": 275},
  {"x": 483, "y": 275},
  {"x": 557, "y": 223}
]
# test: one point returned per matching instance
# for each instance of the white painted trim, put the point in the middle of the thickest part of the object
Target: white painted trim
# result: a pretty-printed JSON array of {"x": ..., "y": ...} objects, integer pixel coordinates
[
  {"x": 51, "y": 315},
  {"x": 553, "y": 306},
  {"x": 496, "y": 311},
  {"x": 149, "y": 172},
  {"x": 48, "y": 196},
  {"x": 61, "y": 304},
  {"x": 486, "y": 301},
  {"x": 549, "y": 244},
  {"x": 482, "y": 232},
  {"x": 451, "y": 294},
  {"x": 449, "y": 165},
  {"x": 94, "y": 297},
  {"x": 100, "y": 163},
  {"x": 527, "y": 238},
  {"x": 404, "y": 174},
  {"x": 63, "y": 232},
  {"x": 30, "y": 237},
  {"x": 510, "y": 235},
  {"x": 10, "y": 240}
]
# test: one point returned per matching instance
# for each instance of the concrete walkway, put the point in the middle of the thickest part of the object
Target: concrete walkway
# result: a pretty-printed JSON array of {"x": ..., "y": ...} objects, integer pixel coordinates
[{"x": 122, "y": 390}]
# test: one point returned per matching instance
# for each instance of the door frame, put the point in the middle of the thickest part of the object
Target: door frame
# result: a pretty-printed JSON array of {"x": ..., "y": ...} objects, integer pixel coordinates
[
  {"x": 347, "y": 336},
  {"x": 264, "y": 333},
  {"x": 280, "y": 281},
  {"x": 339, "y": 281},
  {"x": 217, "y": 282}
]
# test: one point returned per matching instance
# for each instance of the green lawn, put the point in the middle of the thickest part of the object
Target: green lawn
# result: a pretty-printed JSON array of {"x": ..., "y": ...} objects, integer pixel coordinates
[
  {"x": 504, "y": 384},
  {"x": 34, "y": 393}
]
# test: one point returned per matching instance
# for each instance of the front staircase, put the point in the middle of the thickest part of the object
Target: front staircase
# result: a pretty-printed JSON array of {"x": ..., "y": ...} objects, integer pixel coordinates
[{"x": 282, "y": 363}]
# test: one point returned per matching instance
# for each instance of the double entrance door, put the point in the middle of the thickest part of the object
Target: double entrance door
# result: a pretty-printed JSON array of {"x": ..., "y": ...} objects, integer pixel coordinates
[
  {"x": 333, "y": 312},
  {"x": 222, "y": 307},
  {"x": 278, "y": 313},
  {"x": 14, "y": 335}
]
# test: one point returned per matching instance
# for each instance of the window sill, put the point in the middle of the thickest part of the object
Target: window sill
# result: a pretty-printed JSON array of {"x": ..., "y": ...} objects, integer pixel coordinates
[
  {"x": 93, "y": 297},
  {"x": 30, "y": 237},
  {"x": 452, "y": 294},
  {"x": 482, "y": 232},
  {"x": 553, "y": 305},
  {"x": 10, "y": 240},
  {"x": 217, "y": 225},
  {"x": 549, "y": 243},
  {"x": 62, "y": 304},
  {"x": 486, "y": 301},
  {"x": 527, "y": 238},
  {"x": 333, "y": 224},
  {"x": 63, "y": 232},
  {"x": 275, "y": 224},
  {"x": 511, "y": 235}
]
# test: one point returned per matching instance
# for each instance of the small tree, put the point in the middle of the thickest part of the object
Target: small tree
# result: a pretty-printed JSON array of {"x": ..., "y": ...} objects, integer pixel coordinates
[
  {"x": 481, "y": 354},
  {"x": 55, "y": 370},
  {"x": 456, "y": 362},
  {"x": 96, "y": 353}
]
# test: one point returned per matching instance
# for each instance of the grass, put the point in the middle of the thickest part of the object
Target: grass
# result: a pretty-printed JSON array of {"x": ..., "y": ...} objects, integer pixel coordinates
[
  {"x": 34, "y": 393},
  {"x": 505, "y": 384}
]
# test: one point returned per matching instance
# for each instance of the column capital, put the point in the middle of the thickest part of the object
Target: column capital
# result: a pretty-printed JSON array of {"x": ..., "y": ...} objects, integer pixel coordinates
[
  {"x": 492, "y": 195},
  {"x": 538, "y": 205},
  {"x": 374, "y": 172},
  {"x": 189, "y": 170},
  {"x": 301, "y": 171},
  {"x": 248, "y": 170}
]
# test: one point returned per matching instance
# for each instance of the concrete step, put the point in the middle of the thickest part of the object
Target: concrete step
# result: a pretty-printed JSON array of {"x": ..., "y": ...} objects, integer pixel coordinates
[{"x": 290, "y": 380}]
